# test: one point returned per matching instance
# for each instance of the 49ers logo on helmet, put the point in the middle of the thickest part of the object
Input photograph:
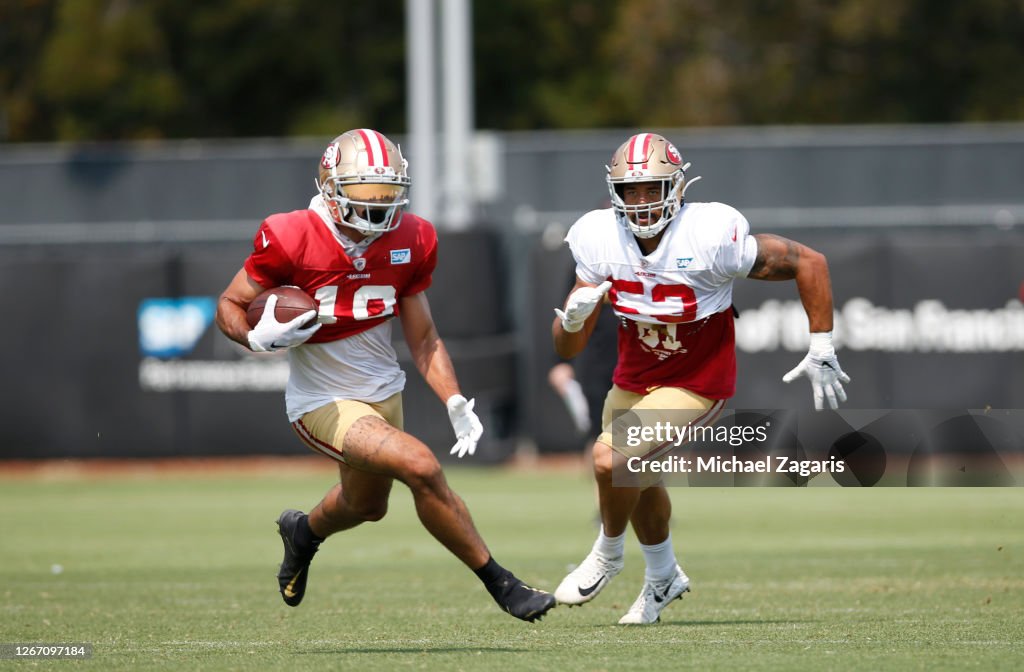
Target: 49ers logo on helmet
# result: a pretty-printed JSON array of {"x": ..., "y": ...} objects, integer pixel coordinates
[
  {"x": 331, "y": 157},
  {"x": 672, "y": 154}
]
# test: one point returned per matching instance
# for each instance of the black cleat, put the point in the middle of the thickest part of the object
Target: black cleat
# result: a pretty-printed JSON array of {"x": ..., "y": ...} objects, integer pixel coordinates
[
  {"x": 520, "y": 600},
  {"x": 295, "y": 567}
]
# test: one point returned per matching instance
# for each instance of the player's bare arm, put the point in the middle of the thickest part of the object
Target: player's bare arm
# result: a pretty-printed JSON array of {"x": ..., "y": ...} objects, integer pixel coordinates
[
  {"x": 780, "y": 258},
  {"x": 232, "y": 305},
  {"x": 435, "y": 366},
  {"x": 426, "y": 346},
  {"x": 569, "y": 343}
]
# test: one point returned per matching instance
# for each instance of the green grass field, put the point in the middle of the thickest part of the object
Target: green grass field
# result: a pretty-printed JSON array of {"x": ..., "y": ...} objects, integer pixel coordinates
[{"x": 178, "y": 573}]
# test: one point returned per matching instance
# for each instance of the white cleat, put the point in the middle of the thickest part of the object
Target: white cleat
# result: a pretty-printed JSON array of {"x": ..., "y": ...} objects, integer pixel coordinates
[
  {"x": 654, "y": 597},
  {"x": 586, "y": 581}
]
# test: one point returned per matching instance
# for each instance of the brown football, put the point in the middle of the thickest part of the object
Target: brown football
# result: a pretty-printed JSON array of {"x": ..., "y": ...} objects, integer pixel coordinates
[{"x": 291, "y": 302}]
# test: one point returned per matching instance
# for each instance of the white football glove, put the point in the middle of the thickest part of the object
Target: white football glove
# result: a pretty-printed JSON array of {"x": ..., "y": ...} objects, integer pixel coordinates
[
  {"x": 821, "y": 368},
  {"x": 580, "y": 305},
  {"x": 468, "y": 429},
  {"x": 269, "y": 334}
]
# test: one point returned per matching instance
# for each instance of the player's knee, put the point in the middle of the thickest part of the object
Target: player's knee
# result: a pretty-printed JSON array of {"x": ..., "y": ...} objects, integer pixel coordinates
[
  {"x": 422, "y": 471},
  {"x": 370, "y": 511},
  {"x": 604, "y": 461}
]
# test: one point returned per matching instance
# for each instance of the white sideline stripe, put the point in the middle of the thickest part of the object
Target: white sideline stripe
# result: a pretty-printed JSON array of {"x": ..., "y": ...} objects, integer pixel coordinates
[
  {"x": 1000, "y": 215},
  {"x": 1005, "y": 215},
  {"x": 76, "y": 233}
]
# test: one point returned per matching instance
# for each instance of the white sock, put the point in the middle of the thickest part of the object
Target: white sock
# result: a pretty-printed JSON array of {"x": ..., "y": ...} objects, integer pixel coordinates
[
  {"x": 661, "y": 560},
  {"x": 610, "y": 548}
]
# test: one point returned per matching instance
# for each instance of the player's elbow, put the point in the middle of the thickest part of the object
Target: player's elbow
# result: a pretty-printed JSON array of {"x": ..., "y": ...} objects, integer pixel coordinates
[
  {"x": 813, "y": 262},
  {"x": 226, "y": 308}
]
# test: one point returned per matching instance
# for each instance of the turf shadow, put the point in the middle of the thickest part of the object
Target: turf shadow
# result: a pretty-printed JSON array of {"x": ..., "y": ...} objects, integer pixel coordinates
[{"x": 410, "y": 649}]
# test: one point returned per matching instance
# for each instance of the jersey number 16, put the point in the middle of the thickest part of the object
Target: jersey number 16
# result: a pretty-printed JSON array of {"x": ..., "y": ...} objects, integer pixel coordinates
[{"x": 366, "y": 302}]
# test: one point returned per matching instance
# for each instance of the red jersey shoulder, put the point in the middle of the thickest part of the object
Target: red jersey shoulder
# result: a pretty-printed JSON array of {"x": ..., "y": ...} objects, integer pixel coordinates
[
  {"x": 278, "y": 245},
  {"x": 414, "y": 232},
  {"x": 302, "y": 236}
]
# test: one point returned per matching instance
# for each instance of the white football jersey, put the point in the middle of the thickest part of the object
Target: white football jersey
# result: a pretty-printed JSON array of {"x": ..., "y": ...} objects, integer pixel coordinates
[{"x": 688, "y": 277}]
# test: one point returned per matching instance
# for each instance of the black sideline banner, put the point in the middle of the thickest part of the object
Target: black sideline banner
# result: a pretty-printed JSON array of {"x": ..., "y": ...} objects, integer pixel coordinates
[{"x": 111, "y": 350}]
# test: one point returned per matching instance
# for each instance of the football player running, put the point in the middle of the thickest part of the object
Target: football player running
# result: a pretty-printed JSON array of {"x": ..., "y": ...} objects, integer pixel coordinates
[
  {"x": 667, "y": 267},
  {"x": 365, "y": 260}
]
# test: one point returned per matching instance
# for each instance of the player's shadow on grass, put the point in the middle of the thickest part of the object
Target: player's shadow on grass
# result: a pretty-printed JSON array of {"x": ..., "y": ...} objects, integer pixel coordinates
[
  {"x": 409, "y": 649},
  {"x": 692, "y": 623},
  {"x": 752, "y": 621}
]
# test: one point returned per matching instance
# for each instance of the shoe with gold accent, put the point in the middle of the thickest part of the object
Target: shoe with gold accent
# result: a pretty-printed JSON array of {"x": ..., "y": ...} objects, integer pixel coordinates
[
  {"x": 295, "y": 566},
  {"x": 519, "y": 599}
]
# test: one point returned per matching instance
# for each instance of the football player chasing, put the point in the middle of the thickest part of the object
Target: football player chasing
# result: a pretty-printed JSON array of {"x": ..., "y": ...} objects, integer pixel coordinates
[
  {"x": 667, "y": 269},
  {"x": 365, "y": 260}
]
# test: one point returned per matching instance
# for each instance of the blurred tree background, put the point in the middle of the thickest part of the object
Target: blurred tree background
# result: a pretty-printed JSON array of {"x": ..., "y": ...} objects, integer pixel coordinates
[{"x": 134, "y": 69}]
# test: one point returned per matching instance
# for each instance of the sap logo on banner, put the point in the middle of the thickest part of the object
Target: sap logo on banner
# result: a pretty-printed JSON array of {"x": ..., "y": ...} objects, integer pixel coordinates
[
  {"x": 169, "y": 329},
  {"x": 172, "y": 327}
]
